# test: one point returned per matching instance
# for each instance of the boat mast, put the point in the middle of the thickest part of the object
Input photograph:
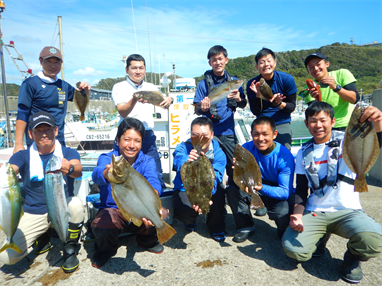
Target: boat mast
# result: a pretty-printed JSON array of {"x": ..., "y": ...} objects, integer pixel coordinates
[
  {"x": 6, "y": 109},
  {"x": 61, "y": 47}
]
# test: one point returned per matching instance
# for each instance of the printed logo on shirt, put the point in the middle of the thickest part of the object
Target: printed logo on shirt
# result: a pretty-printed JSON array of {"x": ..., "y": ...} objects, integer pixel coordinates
[
  {"x": 43, "y": 86},
  {"x": 61, "y": 96}
]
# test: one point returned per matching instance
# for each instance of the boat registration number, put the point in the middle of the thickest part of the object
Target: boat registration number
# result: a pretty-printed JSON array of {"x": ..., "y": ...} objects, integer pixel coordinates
[{"x": 98, "y": 136}]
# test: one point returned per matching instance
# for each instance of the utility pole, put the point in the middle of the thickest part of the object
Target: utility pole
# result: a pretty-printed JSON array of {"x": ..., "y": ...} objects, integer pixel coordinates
[
  {"x": 61, "y": 48},
  {"x": 6, "y": 109},
  {"x": 174, "y": 82}
]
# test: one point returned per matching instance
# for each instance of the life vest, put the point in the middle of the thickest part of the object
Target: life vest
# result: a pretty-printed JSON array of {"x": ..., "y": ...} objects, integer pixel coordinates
[{"x": 333, "y": 157}]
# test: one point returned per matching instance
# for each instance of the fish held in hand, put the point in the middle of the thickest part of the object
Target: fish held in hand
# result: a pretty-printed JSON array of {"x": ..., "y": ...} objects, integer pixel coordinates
[
  {"x": 360, "y": 148},
  {"x": 55, "y": 196},
  {"x": 153, "y": 97},
  {"x": 312, "y": 84},
  {"x": 136, "y": 198},
  {"x": 265, "y": 90},
  {"x": 198, "y": 177},
  {"x": 221, "y": 91},
  {"x": 11, "y": 206},
  {"x": 247, "y": 174},
  {"x": 81, "y": 100}
]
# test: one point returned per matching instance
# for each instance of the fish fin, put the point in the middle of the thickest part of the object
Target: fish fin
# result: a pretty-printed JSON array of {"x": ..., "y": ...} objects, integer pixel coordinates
[
  {"x": 256, "y": 201},
  {"x": 82, "y": 117},
  {"x": 360, "y": 184},
  {"x": 138, "y": 222},
  {"x": 11, "y": 245},
  {"x": 165, "y": 233}
]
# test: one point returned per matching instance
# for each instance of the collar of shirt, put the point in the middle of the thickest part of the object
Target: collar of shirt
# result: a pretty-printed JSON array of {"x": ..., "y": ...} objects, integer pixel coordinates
[
  {"x": 136, "y": 86},
  {"x": 46, "y": 79}
]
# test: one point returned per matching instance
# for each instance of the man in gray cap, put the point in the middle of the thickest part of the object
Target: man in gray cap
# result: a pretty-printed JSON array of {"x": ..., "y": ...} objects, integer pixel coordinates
[
  {"x": 337, "y": 87},
  {"x": 44, "y": 92}
]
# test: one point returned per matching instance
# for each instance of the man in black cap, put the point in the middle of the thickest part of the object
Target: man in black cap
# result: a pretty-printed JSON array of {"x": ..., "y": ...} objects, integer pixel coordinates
[
  {"x": 337, "y": 87},
  {"x": 44, "y": 92},
  {"x": 32, "y": 233}
]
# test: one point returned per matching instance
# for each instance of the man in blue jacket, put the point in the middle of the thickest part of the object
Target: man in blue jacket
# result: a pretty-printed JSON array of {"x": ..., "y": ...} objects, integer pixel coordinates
[
  {"x": 276, "y": 164},
  {"x": 221, "y": 115},
  {"x": 109, "y": 223},
  {"x": 184, "y": 152}
]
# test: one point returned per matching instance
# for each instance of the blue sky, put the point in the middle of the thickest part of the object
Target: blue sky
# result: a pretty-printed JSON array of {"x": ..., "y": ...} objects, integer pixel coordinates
[{"x": 96, "y": 34}]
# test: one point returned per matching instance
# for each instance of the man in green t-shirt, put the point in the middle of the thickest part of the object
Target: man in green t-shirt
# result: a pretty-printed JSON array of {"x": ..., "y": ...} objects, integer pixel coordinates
[{"x": 338, "y": 88}]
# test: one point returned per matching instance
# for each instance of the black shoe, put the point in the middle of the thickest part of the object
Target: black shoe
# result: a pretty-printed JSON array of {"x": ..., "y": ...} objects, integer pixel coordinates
[
  {"x": 42, "y": 244},
  {"x": 261, "y": 212},
  {"x": 190, "y": 227},
  {"x": 321, "y": 246},
  {"x": 351, "y": 270},
  {"x": 157, "y": 249},
  {"x": 219, "y": 237},
  {"x": 99, "y": 259},
  {"x": 241, "y": 236}
]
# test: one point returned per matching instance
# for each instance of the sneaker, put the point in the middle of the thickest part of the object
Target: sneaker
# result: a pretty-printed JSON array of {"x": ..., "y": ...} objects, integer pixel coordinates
[
  {"x": 157, "y": 249},
  {"x": 261, "y": 212},
  {"x": 190, "y": 227},
  {"x": 219, "y": 237},
  {"x": 241, "y": 236},
  {"x": 99, "y": 259},
  {"x": 351, "y": 270}
]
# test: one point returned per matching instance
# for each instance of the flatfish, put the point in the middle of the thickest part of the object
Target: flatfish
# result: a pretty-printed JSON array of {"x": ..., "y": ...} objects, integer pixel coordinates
[
  {"x": 198, "y": 177},
  {"x": 153, "y": 97},
  {"x": 360, "y": 148},
  {"x": 136, "y": 198},
  {"x": 247, "y": 174},
  {"x": 81, "y": 100},
  {"x": 265, "y": 91}
]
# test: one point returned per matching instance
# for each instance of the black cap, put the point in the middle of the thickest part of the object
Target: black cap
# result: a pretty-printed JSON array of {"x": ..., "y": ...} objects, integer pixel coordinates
[
  {"x": 315, "y": 55},
  {"x": 40, "y": 118}
]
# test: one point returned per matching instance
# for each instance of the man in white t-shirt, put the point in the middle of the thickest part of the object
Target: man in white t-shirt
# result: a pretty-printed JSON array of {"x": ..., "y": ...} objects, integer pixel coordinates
[
  {"x": 333, "y": 206},
  {"x": 129, "y": 106}
]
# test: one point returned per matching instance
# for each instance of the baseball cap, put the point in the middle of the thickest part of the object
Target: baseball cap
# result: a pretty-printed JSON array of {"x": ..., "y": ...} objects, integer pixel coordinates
[
  {"x": 49, "y": 52},
  {"x": 40, "y": 118},
  {"x": 315, "y": 55}
]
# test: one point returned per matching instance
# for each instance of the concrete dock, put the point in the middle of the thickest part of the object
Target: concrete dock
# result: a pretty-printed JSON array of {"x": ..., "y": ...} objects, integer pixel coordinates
[{"x": 196, "y": 259}]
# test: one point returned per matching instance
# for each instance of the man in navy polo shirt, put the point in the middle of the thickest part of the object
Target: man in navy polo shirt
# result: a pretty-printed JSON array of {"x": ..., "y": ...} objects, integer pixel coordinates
[
  {"x": 44, "y": 92},
  {"x": 223, "y": 128},
  {"x": 32, "y": 231}
]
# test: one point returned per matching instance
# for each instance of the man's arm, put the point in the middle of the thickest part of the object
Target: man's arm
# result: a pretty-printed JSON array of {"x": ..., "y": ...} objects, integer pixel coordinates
[
  {"x": 200, "y": 95},
  {"x": 65, "y": 167},
  {"x": 98, "y": 175},
  {"x": 254, "y": 102},
  {"x": 125, "y": 109},
  {"x": 19, "y": 135}
]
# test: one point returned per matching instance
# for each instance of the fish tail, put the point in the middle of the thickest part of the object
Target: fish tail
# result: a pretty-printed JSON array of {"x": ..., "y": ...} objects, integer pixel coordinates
[
  {"x": 11, "y": 245},
  {"x": 82, "y": 117},
  {"x": 360, "y": 184},
  {"x": 165, "y": 233},
  {"x": 256, "y": 201}
]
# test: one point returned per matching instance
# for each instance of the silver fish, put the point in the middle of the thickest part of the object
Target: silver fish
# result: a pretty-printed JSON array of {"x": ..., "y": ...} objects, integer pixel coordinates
[
  {"x": 136, "y": 198},
  {"x": 11, "y": 207},
  {"x": 360, "y": 148},
  {"x": 56, "y": 203}
]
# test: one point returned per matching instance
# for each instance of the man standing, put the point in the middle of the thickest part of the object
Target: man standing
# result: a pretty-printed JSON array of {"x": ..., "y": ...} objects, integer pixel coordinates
[
  {"x": 109, "y": 222},
  {"x": 276, "y": 164},
  {"x": 129, "y": 106},
  {"x": 45, "y": 92},
  {"x": 32, "y": 233},
  {"x": 333, "y": 206},
  {"x": 284, "y": 95},
  {"x": 184, "y": 152},
  {"x": 338, "y": 88},
  {"x": 222, "y": 113}
]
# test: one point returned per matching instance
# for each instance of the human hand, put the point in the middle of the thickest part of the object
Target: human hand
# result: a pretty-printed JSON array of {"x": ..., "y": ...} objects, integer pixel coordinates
[
  {"x": 193, "y": 155},
  {"x": 205, "y": 104},
  {"x": 65, "y": 166},
  {"x": 235, "y": 95},
  {"x": 106, "y": 172},
  {"x": 198, "y": 209},
  {"x": 374, "y": 115},
  {"x": 85, "y": 86},
  {"x": 278, "y": 98},
  {"x": 295, "y": 222},
  {"x": 166, "y": 102},
  {"x": 330, "y": 81}
]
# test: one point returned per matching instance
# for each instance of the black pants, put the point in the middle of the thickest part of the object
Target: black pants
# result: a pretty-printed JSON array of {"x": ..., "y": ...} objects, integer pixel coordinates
[
  {"x": 279, "y": 211},
  {"x": 109, "y": 223},
  {"x": 184, "y": 212}
]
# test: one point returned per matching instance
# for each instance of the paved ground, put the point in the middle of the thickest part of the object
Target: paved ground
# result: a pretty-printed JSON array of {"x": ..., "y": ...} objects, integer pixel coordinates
[{"x": 194, "y": 258}]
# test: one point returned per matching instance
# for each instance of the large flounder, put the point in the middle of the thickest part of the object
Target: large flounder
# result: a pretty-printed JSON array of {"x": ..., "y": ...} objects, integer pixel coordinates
[
  {"x": 81, "y": 100},
  {"x": 198, "y": 177},
  {"x": 360, "y": 148},
  {"x": 247, "y": 174},
  {"x": 136, "y": 198},
  {"x": 153, "y": 97}
]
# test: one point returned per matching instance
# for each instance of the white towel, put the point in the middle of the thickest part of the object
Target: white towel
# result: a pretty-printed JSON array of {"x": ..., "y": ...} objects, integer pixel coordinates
[{"x": 36, "y": 168}]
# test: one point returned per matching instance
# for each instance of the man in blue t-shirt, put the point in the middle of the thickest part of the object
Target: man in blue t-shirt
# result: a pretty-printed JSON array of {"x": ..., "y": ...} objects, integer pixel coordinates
[
  {"x": 32, "y": 232},
  {"x": 44, "y": 92},
  {"x": 185, "y": 152},
  {"x": 222, "y": 113},
  {"x": 276, "y": 164},
  {"x": 284, "y": 95},
  {"x": 109, "y": 222}
]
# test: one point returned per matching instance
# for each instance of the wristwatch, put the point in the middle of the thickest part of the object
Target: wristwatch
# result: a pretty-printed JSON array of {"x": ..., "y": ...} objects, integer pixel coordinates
[
  {"x": 338, "y": 88},
  {"x": 71, "y": 170}
]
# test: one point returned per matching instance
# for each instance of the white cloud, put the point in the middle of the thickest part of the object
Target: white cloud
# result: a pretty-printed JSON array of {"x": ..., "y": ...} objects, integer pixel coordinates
[{"x": 88, "y": 71}]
